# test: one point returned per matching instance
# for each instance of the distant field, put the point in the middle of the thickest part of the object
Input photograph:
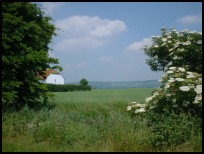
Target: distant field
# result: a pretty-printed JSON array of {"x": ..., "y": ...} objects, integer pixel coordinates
[
  {"x": 89, "y": 121},
  {"x": 104, "y": 95}
]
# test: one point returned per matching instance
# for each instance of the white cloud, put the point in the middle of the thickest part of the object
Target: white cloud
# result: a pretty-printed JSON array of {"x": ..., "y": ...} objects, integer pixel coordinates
[
  {"x": 137, "y": 46},
  {"x": 106, "y": 59},
  {"x": 78, "y": 44},
  {"x": 108, "y": 28},
  {"x": 85, "y": 32},
  {"x": 51, "y": 6},
  {"x": 190, "y": 19}
]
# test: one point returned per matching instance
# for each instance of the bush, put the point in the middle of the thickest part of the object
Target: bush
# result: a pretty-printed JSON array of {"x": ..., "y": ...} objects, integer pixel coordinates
[
  {"x": 180, "y": 48},
  {"x": 172, "y": 130},
  {"x": 174, "y": 110},
  {"x": 67, "y": 87},
  {"x": 181, "y": 91}
]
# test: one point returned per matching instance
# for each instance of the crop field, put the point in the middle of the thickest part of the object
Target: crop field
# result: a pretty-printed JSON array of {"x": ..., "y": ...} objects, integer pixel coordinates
[{"x": 83, "y": 121}]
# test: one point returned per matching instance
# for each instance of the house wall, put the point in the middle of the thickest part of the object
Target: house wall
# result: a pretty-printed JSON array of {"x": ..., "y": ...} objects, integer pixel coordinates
[{"x": 55, "y": 79}]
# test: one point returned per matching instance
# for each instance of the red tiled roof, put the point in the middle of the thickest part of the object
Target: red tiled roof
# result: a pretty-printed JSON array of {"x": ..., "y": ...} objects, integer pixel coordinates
[{"x": 47, "y": 73}]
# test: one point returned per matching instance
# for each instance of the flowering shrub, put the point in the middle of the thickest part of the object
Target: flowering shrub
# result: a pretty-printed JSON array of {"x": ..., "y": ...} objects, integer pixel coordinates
[
  {"x": 179, "y": 49},
  {"x": 174, "y": 111},
  {"x": 181, "y": 91},
  {"x": 137, "y": 106},
  {"x": 179, "y": 55}
]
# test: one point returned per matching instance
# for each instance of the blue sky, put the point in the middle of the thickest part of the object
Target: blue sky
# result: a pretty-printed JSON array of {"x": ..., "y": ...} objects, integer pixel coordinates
[{"x": 101, "y": 41}]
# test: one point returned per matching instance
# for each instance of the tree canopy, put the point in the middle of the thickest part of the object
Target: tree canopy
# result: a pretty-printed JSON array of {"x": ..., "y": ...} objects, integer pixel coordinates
[
  {"x": 83, "y": 82},
  {"x": 26, "y": 34}
]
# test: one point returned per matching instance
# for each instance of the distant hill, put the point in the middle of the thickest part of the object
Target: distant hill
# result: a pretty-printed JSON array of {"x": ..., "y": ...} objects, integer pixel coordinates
[{"x": 123, "y": 84}]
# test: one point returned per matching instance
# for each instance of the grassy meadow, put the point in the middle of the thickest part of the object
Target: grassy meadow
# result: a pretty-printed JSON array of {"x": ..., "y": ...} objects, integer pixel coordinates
[{"x": 84, "y": 121}]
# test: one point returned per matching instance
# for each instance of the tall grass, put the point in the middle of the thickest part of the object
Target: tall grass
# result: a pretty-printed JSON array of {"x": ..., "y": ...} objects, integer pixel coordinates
[{"x": 83, "y": 121}]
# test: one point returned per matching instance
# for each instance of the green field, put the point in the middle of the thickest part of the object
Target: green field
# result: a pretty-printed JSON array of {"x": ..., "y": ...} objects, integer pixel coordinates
[{"x": 94, "y": 120}]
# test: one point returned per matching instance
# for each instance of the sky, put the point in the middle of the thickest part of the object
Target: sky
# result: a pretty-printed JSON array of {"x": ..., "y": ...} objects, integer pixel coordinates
[{"x": 102, "y": 41}]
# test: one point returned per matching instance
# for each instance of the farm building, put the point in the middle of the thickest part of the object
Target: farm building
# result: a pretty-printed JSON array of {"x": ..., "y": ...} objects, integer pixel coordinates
[{"x": 52, "y": 77}]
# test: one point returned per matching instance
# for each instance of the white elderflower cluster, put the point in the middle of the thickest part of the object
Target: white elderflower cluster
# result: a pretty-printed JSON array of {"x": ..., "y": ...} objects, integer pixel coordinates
[
  {"x": 175, "y": 84},
  {"x": 137, "y": 107}
]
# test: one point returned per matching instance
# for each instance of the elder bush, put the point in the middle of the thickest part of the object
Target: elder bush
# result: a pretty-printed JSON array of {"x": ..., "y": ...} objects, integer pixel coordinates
[{"x": 174, "y": 111}]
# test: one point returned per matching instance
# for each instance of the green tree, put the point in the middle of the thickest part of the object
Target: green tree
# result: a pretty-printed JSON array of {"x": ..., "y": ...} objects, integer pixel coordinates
[
  {"x": 179, "y": 49},
  {"x": 26, "y": 33},
  {"x": 83, "y": 82}
]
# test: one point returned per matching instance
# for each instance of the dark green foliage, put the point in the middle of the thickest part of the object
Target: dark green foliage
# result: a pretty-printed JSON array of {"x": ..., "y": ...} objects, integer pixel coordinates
[
  {"x": 83, "y": 82},
  {"x": 26, "y": 33},
  {"x": 173, "y": 129},
  {"x": 67, "y": 87}
]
